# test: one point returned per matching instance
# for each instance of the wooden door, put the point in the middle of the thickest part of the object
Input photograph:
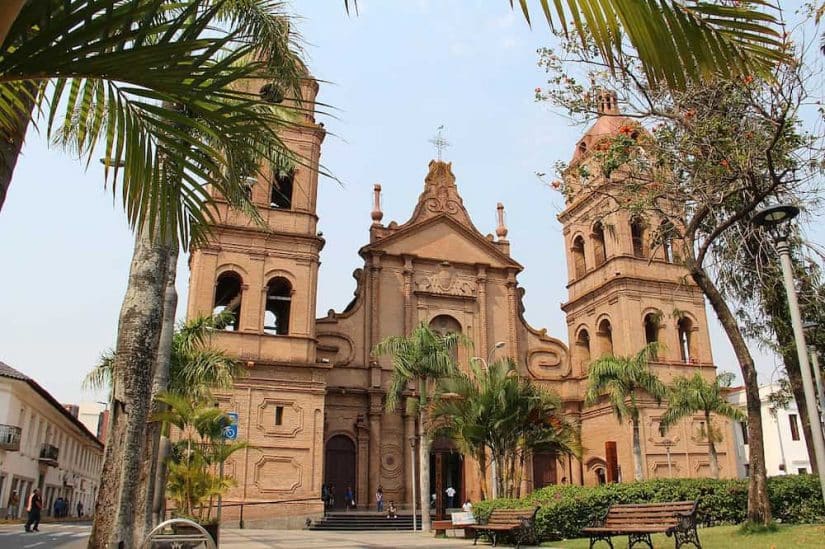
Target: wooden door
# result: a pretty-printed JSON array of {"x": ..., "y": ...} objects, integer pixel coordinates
[
  {"x": 544, "y": 469},
  {"x": 339, "y": 467}
]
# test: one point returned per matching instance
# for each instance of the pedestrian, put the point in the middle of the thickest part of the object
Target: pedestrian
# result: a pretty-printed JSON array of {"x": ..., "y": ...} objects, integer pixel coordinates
[
  {"x": 349, "y": 498},
  {"x": 379, "y": 499},
  {"x": 450, "y": 496},
  {"x": 392, "y": 512},
  {"x": 14, "y": 503},
  {"x": 33, "y": 506},
  {"x": 331, "y": 496},
  {"x": 57, "y": 507},
  {"x": 79, "y": 509},
  {"x": 467, "y": 507},
  {"x": 325, "y": 496}
]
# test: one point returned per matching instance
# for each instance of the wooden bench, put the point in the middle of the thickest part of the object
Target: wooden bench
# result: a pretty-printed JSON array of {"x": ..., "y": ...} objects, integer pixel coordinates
[
  {"x": 458, "y": 521},
  {"x": 638, "y": 522},
  {"x": 516, "y": 524}
]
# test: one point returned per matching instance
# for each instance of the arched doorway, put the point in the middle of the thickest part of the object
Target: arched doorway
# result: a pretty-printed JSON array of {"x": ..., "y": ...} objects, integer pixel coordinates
[
  {"x": 339, "y": 467},
  {"x": 446, "y": 471}
]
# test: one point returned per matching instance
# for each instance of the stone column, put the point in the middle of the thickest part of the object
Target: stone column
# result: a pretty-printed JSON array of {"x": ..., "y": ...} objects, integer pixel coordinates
[
  {"x": 512, "y": 310},
  {"x": 362, "y": 459},
  {"x": 481, "y": 292},
  {"x": 374, "y": 445},
  {"x": 409, "y": 321}
]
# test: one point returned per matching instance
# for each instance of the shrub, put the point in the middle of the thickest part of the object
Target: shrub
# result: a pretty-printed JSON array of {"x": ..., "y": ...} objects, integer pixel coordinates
[{"x": 566, "y": 509}]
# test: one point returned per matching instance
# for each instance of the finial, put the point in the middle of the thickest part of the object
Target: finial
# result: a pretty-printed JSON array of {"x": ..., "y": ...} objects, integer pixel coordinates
[
  {"x": 501, "y": 230},
  {"x": 440, "y": 142},
  {"x": 376, "y": 214}
]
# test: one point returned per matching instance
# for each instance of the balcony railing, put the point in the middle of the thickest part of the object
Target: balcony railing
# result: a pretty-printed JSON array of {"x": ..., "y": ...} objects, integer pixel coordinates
[
  {"x": 10, "y": 438},
  {"x": 49, "y": 454}
]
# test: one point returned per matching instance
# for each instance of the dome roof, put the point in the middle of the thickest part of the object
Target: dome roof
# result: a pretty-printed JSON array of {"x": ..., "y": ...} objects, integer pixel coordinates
[{"x": 609, "y": 123}]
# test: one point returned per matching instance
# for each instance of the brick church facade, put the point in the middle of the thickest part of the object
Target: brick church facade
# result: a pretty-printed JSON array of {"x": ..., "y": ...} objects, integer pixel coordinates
[{"x": 312, "y": 405}]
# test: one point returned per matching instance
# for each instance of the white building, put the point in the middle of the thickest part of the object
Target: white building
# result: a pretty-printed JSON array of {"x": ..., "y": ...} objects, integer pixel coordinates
[
  {"x": 785, "y": 450},
  {"x": 92, "y": 415},
  {"x": 43, "y": 445}
]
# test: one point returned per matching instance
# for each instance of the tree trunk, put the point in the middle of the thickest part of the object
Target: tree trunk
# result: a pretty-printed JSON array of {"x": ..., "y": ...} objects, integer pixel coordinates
[
  {"x": 638, "y": 470},
  {"x": 714, "y": 459},
  {"x": 12, "y": 144},
  {"x": 150, "y": 466},
  {"x": 481, "y": 457},
  {"x": 759, "y": 507},
  {"x": 424, "y": 479},
  {"x": 141, "y": 318}
]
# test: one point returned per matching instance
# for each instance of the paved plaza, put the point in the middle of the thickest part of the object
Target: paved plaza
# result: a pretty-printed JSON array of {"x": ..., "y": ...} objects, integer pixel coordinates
[{"x": 51, "y": 535}]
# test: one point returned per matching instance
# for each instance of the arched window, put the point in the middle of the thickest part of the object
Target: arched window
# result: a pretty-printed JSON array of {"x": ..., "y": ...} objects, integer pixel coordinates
[
  {"x": 579, "y": 262},
  {"x": 281, "y": 193},
  {"x": 651, "y": 328},
  {"x": 685, "y": 327},
  {"x": 583, "y": 350},
  {"x": 228, "y": 293},
  {"x": 598, "y": 243},
  {"x": 604, "y": 335},
  {"x": 445, "y": 324},
  {"x": 637, "y": 235},
  {"x": 667, "y": 233},
  {"x": 278, "y": 302}
]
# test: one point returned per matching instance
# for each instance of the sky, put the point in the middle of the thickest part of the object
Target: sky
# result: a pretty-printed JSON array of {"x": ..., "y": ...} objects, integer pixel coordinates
[{"x": 390, "y": 75}]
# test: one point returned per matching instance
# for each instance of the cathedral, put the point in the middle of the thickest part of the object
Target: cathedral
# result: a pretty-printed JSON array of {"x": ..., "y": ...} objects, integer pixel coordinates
[{"x": 312, "y": 405}]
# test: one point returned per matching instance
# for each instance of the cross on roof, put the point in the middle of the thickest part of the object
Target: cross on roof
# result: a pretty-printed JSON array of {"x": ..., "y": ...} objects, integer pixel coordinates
[{"x": 439, "y": 141}]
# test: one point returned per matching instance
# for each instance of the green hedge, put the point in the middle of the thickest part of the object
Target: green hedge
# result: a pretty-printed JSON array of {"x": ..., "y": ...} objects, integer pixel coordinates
[{"x": 566, "y": 509}]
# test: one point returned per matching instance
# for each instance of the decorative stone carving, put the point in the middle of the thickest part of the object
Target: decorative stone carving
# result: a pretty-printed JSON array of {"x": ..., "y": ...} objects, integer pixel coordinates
[
  {"x": 545, "y": 364},
  {"x": 281, "y": 474},
  {"x": 337, "y": 347},
  {"x": 392, "y": 465},
  {"x": 445, "y": 281},
  {"x": 292, "y": 423}
]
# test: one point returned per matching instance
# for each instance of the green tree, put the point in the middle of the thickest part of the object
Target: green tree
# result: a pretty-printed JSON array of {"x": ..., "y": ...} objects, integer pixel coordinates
[
  {"x": 420, "y": 359},
  {"x": 688, "y": 396},
  {"x": 623, "y": 381},
  {"x": 491, "y": 409}
]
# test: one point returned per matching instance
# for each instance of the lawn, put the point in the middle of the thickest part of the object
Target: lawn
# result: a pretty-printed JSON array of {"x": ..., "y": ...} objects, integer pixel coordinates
[{"x": 724, "y": 537}]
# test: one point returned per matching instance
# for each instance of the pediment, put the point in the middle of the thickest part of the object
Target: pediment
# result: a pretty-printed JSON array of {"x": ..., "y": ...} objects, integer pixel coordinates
[{"x": 444, "y": 239}]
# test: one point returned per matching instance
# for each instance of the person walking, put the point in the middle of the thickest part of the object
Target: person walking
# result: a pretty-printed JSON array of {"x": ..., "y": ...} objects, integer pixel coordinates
[
  {"x": 56, "y": 508},
  {"x": 79, "y": 509},
  {"x": 379, "y": 499},
  {"x": 325, "y": 497},
  {"x": 34, "y": 505},
  {"x": 14, "y": 503},
  {"x": 450, "y": 496}
]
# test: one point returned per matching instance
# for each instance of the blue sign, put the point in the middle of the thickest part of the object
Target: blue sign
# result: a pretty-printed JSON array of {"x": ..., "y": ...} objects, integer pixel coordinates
[{"x": 230, "y": 432}]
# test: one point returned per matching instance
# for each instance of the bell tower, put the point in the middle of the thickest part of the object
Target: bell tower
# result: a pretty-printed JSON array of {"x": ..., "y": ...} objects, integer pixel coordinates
[
  {"x": 267, "y": 276},
  {"x": 627, "y": 288}
]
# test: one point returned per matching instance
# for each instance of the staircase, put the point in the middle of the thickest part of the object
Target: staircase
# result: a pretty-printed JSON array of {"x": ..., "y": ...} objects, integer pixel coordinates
[{"x": 366, "y": 521}]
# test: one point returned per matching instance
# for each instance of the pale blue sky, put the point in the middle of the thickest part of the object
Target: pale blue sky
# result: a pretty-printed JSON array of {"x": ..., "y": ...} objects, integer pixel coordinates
[{"x": 393, "y": 74}]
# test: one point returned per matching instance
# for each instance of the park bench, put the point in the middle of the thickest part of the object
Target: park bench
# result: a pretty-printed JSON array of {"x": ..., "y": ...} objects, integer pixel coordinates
[
  {"x": 638, "y": 522},
  {"x": 458, "y": 521},
  {"x": 510, "y": 523}
]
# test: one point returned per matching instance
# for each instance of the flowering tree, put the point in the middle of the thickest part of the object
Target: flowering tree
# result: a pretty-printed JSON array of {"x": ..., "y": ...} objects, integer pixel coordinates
[{"x": 699, "y": 162}]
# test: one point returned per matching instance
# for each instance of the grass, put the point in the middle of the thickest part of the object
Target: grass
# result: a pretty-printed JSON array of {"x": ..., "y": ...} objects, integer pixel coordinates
[{"x": 724, "y": 537}]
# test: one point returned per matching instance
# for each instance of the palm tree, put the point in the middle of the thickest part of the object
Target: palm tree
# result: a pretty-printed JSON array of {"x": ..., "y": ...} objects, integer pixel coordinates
[
  {"x": 148, "y": 81},
  {"x": 676, "y": 42},
  {"x": 687, "y": 396},
  {"x": 421, "y": 358},
  {"x": 623, "y": 380},
  {"x": 493, "y": 409}
]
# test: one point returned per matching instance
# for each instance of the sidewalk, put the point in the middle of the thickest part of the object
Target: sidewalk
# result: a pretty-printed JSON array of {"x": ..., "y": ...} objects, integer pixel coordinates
[{"x": 306, "y": 539}]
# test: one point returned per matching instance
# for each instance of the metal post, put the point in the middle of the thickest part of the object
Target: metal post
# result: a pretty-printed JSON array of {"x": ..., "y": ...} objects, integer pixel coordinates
[
  {"x": 220, "y": 496},
  {"x": 669, "y": 464},
  {"x": 802, "y": 352},
  {"x": 412, "y": 477},
  {"x": 818, "y": 378}
]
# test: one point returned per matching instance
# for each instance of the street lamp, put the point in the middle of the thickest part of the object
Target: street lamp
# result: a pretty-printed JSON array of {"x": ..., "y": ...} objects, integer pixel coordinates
[
  {"x": 412, "y": 475},
  {"x": 810, "y": 330},
  {"x": 775, "y": 220}
]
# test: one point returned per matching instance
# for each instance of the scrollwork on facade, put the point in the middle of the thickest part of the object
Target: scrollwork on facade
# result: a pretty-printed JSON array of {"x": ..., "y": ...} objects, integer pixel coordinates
[{"x": 445, "y": 281}]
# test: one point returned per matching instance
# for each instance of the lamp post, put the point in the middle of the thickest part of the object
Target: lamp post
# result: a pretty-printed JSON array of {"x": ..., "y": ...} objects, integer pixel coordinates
[
  {"x": 775, "y": 219},
  {"x": 412, "y": 476},
  {"x": 493, "y": 468},
  {"x": 810, "y": 328}
]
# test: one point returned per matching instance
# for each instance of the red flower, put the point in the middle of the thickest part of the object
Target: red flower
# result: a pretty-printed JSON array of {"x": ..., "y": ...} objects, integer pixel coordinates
[
  {"x": 725, "y": 163},
  {"x": 538, "y": 90},
  {"x": 626, "y": 130}
]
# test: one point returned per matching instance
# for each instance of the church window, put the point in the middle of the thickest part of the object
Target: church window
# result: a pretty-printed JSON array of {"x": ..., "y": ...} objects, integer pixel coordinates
[
  {"x": 579, "y": 263},
  {"x": 605, "y": 337},
  {"x": 651, "y": 328},
  {"x": 281, "y": 194},
  {"x": 228, "y": 298},
  {"x": 583, "y": 350},
  {"x": 599, "y": 251},
  {"x": 279, "y": 415},
  {"x": 271, "y": 93},
  {"x": 637, "y": 235},
  {"x": 685, "y": 327},
  {"x": 278, "y": 302},
  {"x": 667, "y": 232},
  {"x": 582, "y": 147}
]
